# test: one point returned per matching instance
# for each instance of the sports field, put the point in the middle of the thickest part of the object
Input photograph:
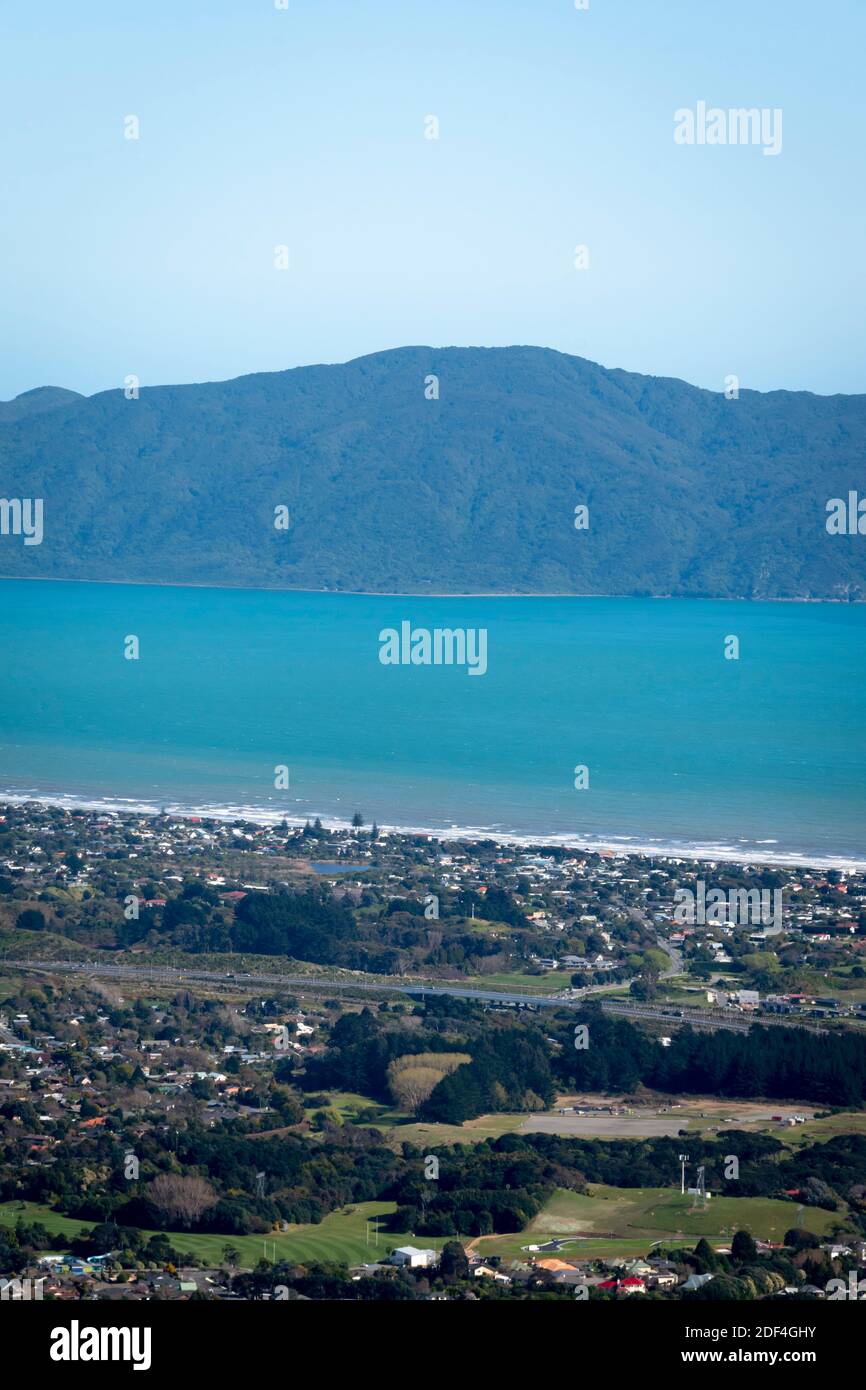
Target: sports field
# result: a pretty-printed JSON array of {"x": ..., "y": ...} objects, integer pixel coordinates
[
  {"x": 606, "y": 1222},
  {"x": 348, "y": 1236},
  {"x": 609, "y": 1221}
]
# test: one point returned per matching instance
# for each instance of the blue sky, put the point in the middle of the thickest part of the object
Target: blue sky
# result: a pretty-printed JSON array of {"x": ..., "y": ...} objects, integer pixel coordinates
[{"x": 305, "y": 127}]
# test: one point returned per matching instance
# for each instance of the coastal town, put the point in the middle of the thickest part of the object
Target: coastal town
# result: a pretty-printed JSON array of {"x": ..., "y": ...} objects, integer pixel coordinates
[
  {"x": 243, "y": 1061},
  {"x": 777, "y": 939}
]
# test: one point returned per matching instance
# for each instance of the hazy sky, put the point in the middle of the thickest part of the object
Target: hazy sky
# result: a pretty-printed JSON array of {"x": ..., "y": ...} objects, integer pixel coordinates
[{"x": 305, "y": 127}]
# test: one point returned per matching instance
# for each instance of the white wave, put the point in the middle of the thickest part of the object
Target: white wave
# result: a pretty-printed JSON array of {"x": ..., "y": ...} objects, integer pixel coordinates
[{"x": 660, "y": 848}]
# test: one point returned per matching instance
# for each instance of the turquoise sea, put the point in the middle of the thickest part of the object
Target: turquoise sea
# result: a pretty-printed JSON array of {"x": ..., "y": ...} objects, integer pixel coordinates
[{"x": 760, "y": 758}]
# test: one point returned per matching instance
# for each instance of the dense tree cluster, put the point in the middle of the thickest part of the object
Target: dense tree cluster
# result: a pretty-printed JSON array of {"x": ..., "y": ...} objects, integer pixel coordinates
[
  {"x": 360, "y": 1053},
  {"x": 497, "y": 1186},
  {"x": 786, "y": 1063},
  {"x": 510, "y": 1070},
  {"x": 224, "y": 1181}
]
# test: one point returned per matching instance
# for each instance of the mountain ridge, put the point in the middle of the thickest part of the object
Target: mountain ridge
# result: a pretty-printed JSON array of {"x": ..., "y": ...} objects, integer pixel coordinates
[{"x": 689, "y": 493}]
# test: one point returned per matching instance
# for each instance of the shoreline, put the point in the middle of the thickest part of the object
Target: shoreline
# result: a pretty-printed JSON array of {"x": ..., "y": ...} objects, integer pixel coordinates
[
  {"x": 610, "y": 845},
  {"x": 388, "y": 593}
]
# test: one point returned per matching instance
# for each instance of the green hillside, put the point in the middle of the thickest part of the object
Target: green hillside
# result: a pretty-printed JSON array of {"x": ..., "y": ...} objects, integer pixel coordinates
[{"x": 388, "y": 491}]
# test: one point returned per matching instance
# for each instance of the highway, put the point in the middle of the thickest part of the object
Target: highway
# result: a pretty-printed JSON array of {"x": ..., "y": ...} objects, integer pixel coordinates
[
  {"x": 169, "y": 975},
  {"x": 706, "y": 1019},
  {"x": 672, "y": 1017}
]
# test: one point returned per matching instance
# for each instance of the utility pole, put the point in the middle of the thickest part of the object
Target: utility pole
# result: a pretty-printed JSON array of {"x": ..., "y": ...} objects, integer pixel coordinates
[{"x": 684, "y": 1158}]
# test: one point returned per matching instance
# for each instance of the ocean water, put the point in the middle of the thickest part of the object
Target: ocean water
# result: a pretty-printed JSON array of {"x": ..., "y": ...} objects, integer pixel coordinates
[{"x": 760, "y": 758}]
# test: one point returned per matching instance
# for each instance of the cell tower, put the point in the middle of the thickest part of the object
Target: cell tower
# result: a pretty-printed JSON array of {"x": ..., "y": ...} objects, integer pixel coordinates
[{"x": 701, "y": 1188}]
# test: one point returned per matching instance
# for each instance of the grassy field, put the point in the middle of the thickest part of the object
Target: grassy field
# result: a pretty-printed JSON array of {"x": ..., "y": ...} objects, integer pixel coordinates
[
  {"x": 616, "y": 1220},
  {"x": 348, "y": 1236},
  {"x": 398, "y": 1127},
  {"x": 607, "y": 1222},
  {"x": 470, "y": 1132},
  {"x": 550, "y": 983},
  {"x": 695, "y": 1114},
  {"x": 675, "y": 993},
  {"x": 345, "y": 1106},
  {"x": 644, "y": 1118},
  {"x": 815, "y": 1131}
]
